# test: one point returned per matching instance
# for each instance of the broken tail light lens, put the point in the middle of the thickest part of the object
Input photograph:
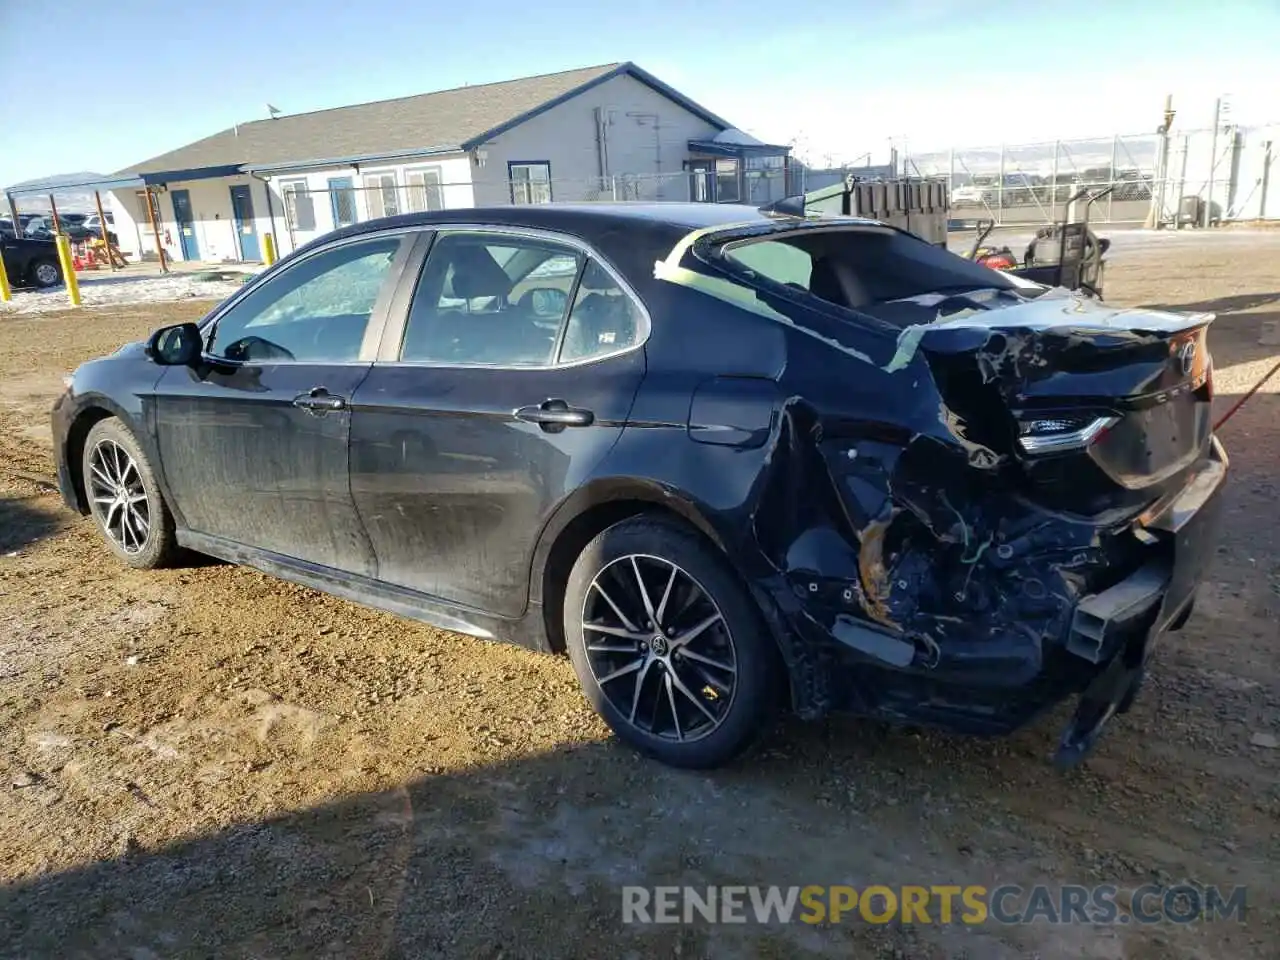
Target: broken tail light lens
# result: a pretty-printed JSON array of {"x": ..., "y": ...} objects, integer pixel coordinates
[{"x": 1056, "y": 434}]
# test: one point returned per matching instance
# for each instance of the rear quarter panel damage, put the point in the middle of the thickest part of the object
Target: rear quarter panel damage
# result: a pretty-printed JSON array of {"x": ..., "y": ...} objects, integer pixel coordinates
[{"x": 877, "y": 517}]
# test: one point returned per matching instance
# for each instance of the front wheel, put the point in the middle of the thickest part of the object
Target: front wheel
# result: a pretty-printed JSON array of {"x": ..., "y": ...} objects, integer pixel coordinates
[
  {"x": 46, "y": 273},
  {"x": 668, "y": 644},
  {"x": 124, "y": 498}
]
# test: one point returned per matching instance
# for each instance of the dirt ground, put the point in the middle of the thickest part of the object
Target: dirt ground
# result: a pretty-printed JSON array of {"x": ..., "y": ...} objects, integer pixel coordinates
[{"x": 207, "y": 762}]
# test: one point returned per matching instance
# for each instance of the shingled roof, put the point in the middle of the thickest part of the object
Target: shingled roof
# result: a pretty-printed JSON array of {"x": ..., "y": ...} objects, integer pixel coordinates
[{"x": 429, "y": 122}]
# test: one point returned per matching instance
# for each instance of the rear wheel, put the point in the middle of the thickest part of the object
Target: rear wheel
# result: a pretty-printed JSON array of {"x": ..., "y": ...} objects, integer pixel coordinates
[
  {"x": 46, "y": 273},
  {"x": 668, "y": 645},
  {"x": 124, "y": 498}
]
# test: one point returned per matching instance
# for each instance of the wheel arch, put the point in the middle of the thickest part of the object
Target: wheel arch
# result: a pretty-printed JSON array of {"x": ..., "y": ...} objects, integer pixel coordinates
[
  {"x": 89, "y": 415},
  {"x": 590, "y": 510}
]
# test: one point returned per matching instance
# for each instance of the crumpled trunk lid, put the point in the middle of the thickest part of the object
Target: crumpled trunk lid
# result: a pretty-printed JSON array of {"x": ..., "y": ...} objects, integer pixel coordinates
[{"x": 1092, "y": 400}]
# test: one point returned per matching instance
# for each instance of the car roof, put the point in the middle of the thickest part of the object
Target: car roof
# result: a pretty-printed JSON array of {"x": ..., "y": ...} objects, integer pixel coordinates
[
  {"x": 603, "y": 225},
  {"x": 627, "y": 234},
  {"x": 591, "y": 217}
]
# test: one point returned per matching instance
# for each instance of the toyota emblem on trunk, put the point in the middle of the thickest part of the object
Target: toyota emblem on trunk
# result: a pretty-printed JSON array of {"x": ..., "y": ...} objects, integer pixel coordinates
[{"x": 1187, "y": 357}]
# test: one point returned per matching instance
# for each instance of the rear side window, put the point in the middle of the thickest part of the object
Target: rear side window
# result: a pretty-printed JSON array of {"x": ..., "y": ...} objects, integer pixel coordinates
[
  {"x": 491, "y": 299},
  {"x": 604, "y": 318}
]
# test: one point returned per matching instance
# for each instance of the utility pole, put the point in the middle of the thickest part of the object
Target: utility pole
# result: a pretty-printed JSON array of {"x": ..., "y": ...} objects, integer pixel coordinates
[
  {"x": 1155, "y": 218},
  {"x": 1213, "y": 161}
]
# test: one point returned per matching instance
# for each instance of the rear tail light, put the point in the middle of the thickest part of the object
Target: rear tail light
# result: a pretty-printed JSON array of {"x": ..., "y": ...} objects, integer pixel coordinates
[{"x": 1056, "y": 434}]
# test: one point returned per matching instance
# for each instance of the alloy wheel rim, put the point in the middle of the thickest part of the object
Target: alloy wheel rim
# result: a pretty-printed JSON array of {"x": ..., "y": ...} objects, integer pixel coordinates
[
  {"x": 118, "y": 497},
  {"x": 46, "y": 273},
  {"x": 659, "y": 648}
]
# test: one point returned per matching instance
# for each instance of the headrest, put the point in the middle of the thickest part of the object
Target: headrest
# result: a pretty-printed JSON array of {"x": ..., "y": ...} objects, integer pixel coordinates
[{"x": 477, "y": 274}]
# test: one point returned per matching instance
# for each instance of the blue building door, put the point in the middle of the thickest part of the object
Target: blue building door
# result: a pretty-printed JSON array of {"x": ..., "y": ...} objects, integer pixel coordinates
[
  {"x": 185, "y": 222},
  {"x": 246, "y": 226}
]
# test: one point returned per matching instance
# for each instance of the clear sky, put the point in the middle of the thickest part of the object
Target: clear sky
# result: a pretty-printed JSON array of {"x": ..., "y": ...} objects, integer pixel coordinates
[{"x": 101, "y": 85}]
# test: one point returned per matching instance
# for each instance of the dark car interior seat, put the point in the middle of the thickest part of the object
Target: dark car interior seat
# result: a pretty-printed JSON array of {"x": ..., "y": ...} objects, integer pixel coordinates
[
  {"x": 604, "y": 320},
  {"x": 485, "y": 327}
]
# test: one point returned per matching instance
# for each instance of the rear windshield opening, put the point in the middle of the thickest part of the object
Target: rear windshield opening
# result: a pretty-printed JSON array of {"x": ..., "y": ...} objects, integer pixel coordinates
[{"x": 890, "y": 275}]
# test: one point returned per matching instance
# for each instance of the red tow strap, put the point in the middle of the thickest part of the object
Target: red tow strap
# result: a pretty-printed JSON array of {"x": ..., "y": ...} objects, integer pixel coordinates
[{"x": 1240, "y": 403}]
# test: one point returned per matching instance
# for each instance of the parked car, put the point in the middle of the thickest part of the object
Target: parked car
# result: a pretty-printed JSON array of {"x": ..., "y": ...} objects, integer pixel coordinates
[
  {"x": 24, "y": 219},
  {"x": 725, "y": 460},
  {"x": 968, "y": 193},
  {"x": 73, "y": 225},
  {"x": 93, "y": 224},
  {"x": 29, "y": 261}
]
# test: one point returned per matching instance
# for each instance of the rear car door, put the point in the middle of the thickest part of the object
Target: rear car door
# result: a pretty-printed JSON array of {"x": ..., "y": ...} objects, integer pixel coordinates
[
  {"x": 511, "y": 378},
  {"x": 253, "y": 441}
]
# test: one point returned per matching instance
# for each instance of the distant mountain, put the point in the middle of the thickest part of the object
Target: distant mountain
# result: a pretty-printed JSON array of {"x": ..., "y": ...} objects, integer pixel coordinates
[{"x": 72, "y": 201}]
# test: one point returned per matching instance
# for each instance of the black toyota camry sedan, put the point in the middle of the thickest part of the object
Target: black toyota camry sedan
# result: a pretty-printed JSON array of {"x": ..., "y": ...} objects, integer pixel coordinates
[{"x": 727, "y": 460}]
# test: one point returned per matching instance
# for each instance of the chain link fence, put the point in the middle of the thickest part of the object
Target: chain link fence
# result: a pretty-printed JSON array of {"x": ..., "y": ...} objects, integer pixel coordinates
[
  {"x": 1032, "y": 183},
  {"x": 1189, "y": 177},
  {"x": 1193, "y": 177}
]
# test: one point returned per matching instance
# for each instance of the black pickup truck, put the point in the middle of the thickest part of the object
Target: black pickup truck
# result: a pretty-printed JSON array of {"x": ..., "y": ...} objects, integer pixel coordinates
[{"x": 29, "y": 261}]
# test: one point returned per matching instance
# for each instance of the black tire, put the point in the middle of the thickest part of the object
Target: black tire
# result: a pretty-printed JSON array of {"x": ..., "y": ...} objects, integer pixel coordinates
[
  {"x": 40, "y": 274},
  {"x": 142, "y": 545},
  {"x": 735, "y": 637}
]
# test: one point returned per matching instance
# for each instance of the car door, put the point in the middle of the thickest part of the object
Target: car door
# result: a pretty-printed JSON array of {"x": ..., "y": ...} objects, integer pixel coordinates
[
  {"x": 253, "y": 441},
  {"x": 514, "y": 373}
]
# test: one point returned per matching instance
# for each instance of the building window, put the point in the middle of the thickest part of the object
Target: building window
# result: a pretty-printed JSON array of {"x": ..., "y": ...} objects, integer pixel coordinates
[
  {"x": 299, "y": 208},
  {"x": 380, "y": 194},
  {"x": 342, "y": 201},
  {"x": 424, "y": 189},
  {"x": 727, "y": 181},
  {"x": 144, "y": 217},
  {"x": 530, "y": 182}
]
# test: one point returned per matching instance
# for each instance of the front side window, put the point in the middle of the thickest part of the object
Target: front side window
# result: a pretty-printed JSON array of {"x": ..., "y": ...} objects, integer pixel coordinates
[
  {"x": 530, "y": 182},
  {"x": 317, "y": 311}
]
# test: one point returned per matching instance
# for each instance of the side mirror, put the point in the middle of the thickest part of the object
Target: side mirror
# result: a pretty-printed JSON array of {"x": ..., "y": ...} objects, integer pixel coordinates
[{"x": 178, "y": 346}]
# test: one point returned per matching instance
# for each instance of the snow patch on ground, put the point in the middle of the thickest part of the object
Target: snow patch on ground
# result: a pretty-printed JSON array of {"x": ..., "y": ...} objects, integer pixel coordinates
[{"x": 117, "y": 291}]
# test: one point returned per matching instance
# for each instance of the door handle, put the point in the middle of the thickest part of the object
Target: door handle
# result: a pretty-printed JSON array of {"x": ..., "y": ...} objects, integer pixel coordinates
[
  {"x": 554, "y": 415},
  {"x": 318, "y": 400}
]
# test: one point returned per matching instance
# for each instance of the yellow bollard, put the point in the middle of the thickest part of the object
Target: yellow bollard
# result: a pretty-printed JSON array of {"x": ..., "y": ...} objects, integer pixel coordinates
[
  {"x": 6, "y": 294},
  {"x": 268, "y": 249},
  {"x": 68, "y": 270}
]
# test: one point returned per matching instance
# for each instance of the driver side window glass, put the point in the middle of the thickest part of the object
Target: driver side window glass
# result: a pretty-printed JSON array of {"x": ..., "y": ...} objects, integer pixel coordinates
[
  {"x": 317, "y": 311},
  {"x": 490, "y": 299}
]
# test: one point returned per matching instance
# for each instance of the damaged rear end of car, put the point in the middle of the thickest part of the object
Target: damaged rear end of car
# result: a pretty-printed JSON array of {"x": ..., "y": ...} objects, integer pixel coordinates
[{"x": 979, "y": 496}]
